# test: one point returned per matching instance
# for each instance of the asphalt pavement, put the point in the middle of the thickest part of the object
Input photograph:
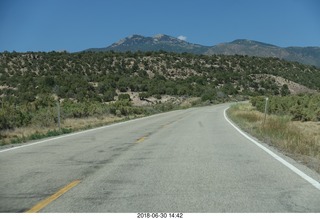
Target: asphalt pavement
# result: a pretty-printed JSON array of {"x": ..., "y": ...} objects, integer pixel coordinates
[{"x": 190, "y": 160}]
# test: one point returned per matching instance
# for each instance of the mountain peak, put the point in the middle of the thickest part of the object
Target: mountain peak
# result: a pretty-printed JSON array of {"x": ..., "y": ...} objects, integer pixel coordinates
[
  {"x": 135, "y": 36},
  {"x": 125, "y": 41},
  {"x": 155, "y": 43},
  {"x": 158, "y": 36},
  {"x": 163, "y": 37}
]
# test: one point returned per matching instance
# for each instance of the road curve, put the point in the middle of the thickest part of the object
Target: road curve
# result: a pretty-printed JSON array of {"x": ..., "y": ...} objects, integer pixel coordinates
[{"x": 183, "y": 161}]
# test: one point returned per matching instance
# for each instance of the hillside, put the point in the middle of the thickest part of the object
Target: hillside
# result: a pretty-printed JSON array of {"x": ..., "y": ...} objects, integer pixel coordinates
[
  {"x": 90, "y": 75},
  {"x": 90, "y": 83},
  {"x": 134, "y": 43}
]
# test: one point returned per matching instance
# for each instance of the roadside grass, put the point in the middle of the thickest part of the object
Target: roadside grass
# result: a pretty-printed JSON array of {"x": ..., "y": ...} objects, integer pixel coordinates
[
  {"x": 34, "y": 132},
  {"x": 299, "y": 140},
  {"x": 121, "y": 112},
  {"x": 39, "y": 130}
]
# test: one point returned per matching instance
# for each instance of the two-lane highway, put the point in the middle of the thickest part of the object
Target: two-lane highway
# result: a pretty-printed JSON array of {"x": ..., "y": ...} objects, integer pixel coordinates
[{"x": 182, "y": 161}]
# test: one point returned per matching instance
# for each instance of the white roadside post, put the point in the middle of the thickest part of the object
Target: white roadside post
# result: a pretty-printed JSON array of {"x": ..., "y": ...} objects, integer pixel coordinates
[
  {"x": 265, "y": 111},
  {"x": 55, "y": 90},
  {"x": 58, "y": 106}
]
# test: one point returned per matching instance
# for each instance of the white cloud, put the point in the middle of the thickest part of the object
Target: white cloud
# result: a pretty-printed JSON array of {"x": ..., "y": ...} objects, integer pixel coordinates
[{"x": 184, "y": 38}]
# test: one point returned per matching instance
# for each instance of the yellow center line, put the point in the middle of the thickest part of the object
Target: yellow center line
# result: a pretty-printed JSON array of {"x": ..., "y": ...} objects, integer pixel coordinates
[
  {"x": 141, "y": 139},
  {"x": 166, "y": 125},
  {"x": 53, "y": 197}
]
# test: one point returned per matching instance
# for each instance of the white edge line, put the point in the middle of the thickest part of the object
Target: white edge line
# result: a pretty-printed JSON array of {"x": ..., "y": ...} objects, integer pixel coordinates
[
  {"x": 81, "y": 132},
  {"x": 312, "y": 181}
]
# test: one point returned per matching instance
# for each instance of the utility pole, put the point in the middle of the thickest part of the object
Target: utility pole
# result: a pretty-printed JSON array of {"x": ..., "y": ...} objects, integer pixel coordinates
[{"x": 265, "y": 111}]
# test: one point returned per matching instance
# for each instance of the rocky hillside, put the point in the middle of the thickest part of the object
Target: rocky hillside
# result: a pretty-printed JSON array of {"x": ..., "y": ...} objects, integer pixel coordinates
[{"x": 89, "y": 76}]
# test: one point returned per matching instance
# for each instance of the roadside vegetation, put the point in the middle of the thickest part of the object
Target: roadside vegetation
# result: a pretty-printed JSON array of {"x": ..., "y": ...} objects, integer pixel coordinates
[
  {"x": 295, "y": 136},
  {"x": 22, "y": 125},
  {"x": 93, "y": 89},
  {"x": 303, "y": 107}
]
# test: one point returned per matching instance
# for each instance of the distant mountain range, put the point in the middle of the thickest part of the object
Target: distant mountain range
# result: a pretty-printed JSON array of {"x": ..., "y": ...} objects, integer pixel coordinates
[{"x": 134, "y": 43}]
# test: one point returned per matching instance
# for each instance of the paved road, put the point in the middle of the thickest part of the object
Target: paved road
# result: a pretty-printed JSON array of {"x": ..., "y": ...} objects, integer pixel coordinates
[{"x": 183, "y": 161}]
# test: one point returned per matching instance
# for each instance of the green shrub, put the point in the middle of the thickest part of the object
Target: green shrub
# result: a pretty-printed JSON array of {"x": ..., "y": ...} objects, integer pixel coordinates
[
  {"x": 300, "y": 107},
  {"x": 124, "y": 97}
]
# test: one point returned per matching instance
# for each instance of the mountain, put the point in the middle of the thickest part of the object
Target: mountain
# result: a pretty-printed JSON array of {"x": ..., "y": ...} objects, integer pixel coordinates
[
  {"x": 134, "y": 43},
  {"x": 246, "y": 47},
  {"x": 305, "y": 55},
  {"x": 158, "y": 42}
]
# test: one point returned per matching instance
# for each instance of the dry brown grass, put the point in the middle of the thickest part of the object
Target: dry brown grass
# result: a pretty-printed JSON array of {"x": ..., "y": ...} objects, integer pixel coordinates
[
  {"x": 23, "y": 134},
  {"x": 7, "y": 135},
  {"x": 90, "y": 121},
  {"x": 300, "y": 140}
]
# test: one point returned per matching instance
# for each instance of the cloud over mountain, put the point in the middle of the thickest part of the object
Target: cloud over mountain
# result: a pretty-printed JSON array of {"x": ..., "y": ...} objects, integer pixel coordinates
[{"x": 181, "y": 37}]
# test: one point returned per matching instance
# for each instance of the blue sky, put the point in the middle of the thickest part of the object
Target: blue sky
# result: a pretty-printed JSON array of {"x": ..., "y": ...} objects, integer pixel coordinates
[{"x": 75, "y": 25}]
